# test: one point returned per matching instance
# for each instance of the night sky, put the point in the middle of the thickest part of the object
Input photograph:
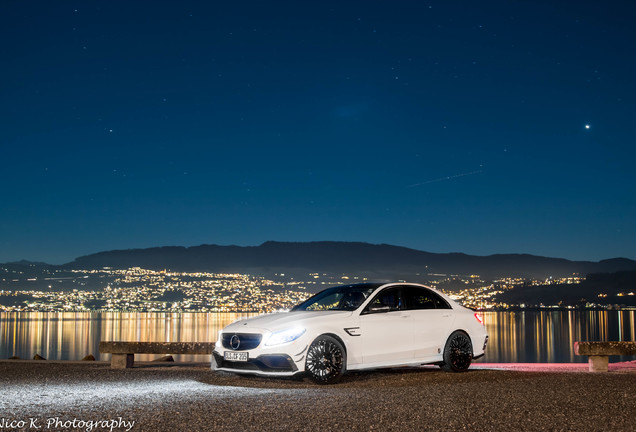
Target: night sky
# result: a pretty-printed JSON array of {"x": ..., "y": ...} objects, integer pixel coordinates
[{"x": 445, "y": 126}]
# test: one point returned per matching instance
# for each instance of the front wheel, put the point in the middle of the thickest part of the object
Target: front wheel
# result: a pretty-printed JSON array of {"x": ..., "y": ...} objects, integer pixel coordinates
[
  {"x": 326, "y": 360},
  {"x": 458, "y": 353}
]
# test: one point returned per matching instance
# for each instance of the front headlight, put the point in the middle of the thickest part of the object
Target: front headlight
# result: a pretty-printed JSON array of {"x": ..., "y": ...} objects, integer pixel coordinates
[{"x": 284, "y": 336}]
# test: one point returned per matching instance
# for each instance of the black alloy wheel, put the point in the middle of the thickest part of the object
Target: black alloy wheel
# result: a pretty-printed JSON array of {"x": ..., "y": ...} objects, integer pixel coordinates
[
  {"x": 458, "y": 353},
  {"x": 326, "y": 360}
]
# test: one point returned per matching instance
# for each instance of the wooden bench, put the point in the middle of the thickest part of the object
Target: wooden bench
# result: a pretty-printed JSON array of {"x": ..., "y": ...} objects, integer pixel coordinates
[
  {"x": 123, "y": 353},
  {"x": 598, "y": 352}
]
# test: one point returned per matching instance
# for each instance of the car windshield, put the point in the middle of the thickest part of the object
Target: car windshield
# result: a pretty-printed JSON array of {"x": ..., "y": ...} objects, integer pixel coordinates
[{"x": 345, "y": 297}]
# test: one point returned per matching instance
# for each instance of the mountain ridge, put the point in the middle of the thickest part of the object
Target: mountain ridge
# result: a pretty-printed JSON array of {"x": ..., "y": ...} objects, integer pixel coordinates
[{"x": 343, "y": 257}]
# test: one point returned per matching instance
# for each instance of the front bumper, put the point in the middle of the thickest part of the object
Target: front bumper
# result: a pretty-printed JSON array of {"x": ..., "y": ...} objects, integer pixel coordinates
[
  {"x": 277, "y": 364},
  {"x": 284, "y": 360}
]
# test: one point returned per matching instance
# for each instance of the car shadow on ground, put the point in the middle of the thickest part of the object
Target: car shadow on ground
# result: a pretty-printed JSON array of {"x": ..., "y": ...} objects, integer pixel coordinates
[{"x": 390, "y": 377}]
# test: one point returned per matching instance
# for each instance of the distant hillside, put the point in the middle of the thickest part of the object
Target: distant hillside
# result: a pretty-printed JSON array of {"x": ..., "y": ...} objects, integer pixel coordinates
[
  {"x": 607, "y": 284},
  {"x": 383, "y": 261}
]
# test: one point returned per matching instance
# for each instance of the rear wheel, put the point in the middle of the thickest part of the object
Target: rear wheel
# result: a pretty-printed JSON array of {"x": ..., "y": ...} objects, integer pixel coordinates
[
  {"x": 326, "y": 360},
  {"x": 458, "y": 353}
]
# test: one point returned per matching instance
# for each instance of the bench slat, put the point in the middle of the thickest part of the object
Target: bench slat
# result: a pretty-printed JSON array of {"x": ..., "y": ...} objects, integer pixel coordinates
[
  {"x": 115, "y": 347},
  {"x": 605, "y": 348}
]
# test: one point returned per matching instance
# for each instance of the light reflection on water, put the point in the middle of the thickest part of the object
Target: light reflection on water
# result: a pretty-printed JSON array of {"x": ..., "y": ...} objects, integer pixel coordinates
[
  {"x": 528, "y": 336},
  {"x": 73, "y": 335},
  {"x": 549, "y": 336}
]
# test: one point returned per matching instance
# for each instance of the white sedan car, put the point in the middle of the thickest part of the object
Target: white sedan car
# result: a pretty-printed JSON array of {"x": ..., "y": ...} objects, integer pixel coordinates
[{"x": 353, "y": 327}]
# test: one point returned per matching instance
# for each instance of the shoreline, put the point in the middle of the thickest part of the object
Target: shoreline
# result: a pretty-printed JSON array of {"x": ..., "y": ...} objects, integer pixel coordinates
[{"x": 609, "y": 308}]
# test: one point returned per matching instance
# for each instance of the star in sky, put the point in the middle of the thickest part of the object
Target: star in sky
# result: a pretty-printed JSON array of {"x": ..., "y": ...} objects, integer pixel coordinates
[{"x": 455, "y": 83}]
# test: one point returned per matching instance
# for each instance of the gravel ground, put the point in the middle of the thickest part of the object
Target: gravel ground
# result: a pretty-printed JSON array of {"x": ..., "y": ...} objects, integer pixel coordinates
[{"x": 190, "y": 397}]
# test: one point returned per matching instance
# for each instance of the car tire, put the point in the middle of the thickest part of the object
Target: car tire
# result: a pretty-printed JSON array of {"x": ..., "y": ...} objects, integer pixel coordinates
[
  {"x": 326, "y": 360},
  {"x": 458, "y": 353}
]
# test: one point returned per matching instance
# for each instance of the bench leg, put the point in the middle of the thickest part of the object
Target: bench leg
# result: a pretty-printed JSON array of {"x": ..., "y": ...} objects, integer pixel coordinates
[
  {"x": 122, "y": 361},
  {"x": 598, "y": 363}
]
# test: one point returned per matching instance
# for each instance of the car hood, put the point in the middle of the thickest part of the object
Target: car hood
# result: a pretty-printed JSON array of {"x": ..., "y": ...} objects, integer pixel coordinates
[{"x": 283, "y": 320}]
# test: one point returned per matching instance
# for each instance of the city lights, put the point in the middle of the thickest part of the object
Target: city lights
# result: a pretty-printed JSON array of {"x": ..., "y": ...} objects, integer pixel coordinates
[{"x": 145, "y": 290}]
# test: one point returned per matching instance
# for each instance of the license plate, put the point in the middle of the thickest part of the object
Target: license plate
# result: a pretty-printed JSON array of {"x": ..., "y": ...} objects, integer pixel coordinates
[{"x": 235, "y": 356}]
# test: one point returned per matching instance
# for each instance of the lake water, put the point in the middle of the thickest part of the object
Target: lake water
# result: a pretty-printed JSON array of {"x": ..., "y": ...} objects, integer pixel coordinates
[{"x": 526, "y": 337}]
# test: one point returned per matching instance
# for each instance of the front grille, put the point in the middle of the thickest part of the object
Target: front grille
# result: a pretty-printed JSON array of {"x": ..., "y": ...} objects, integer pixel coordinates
[
  {"x": 248, "y": 341},
  {"x": 265, "y": 363}
]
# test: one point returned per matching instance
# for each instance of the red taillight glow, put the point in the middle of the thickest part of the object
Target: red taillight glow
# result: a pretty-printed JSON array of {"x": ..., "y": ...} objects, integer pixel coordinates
[{"x": 479, "y": 318}]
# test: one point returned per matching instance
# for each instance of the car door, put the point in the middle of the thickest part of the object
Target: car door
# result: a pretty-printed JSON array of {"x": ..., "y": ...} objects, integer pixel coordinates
[
  {"x": 432, "y": 320},
  {"x": 386, "y": 330}
]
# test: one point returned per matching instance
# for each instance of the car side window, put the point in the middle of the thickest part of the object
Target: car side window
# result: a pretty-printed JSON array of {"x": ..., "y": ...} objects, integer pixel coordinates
[
  {"x": 419, "y": 298},
  {"x": 440, "y": 303},
  {"x": 387, "y": 300},
  {"x": 422, "y": 298}
]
